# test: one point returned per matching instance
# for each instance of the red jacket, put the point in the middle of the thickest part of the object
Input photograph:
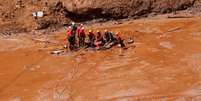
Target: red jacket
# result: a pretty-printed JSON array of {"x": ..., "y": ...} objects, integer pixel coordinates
[
  {"x": 81, "y": 32},
  {"x": 79, "y": 29},
  {"x": 69, "y": 33},
  {"x": 118, "y": 37}
]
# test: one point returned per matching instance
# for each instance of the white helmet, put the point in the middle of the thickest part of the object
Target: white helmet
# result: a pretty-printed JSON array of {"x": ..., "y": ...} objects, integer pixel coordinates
[
  {"x": 73, "y": 23},
  {"x": 69, "y": 27}
]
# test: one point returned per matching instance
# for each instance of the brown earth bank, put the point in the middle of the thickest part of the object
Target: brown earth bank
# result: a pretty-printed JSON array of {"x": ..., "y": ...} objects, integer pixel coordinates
[
  {"x": 16, "y": 15},
  {"x": 164, "y": 65}
]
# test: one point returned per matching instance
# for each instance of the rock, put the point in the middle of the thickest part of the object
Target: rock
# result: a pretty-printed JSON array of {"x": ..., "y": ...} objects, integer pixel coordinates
[{"x": 62, "y": 12}]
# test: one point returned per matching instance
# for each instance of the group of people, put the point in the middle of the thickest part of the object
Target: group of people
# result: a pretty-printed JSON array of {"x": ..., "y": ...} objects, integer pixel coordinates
[{"x": 78, "y": 38}]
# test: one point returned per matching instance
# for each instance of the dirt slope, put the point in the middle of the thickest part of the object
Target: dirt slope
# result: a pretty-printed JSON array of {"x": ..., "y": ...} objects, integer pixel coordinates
[{"x": 17, "y": 14}]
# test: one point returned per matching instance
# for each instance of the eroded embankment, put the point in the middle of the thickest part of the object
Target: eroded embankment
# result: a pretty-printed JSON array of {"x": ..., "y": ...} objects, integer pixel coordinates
[
  {"x": 17, "y": 16},
  {"x": 164, "y": 65}
]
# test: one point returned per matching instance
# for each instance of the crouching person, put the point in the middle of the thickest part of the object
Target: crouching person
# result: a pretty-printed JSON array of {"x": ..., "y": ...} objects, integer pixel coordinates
[
  {"x": 109, "y": 39},
  {"x": 89, "y": 41},
  {"x": 99, "y": 42},
  {"x": 119, "y": 40}
]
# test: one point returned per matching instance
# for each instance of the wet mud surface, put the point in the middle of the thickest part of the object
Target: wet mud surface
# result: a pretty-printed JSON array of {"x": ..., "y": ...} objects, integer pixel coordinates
[{"x": 165, "y": 65}]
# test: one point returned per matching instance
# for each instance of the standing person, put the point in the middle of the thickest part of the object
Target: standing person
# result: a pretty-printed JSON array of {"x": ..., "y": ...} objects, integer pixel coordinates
[
  {"x": 74, "y": 27},
  {"x": 79, "y": 28},
  {"x": 99, "y": 40},
  {"x": 71, "y": 39},
  {"x": 91, "y": 38},
  {"x": 81, "y": 36},
  {"x": 74, "y": 32}
]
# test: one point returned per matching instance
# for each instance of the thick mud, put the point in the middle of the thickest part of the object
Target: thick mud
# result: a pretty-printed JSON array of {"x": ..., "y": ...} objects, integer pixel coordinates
[{"x": 164, "y": 66}]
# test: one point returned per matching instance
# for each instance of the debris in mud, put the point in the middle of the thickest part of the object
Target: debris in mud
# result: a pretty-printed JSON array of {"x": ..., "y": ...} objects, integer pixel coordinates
[
  {"x": 38, "y": 14},
  {"x": 167, "y": 45},
  {"x": 57, "y": 52},
  {"x": 130, "y": 41}
]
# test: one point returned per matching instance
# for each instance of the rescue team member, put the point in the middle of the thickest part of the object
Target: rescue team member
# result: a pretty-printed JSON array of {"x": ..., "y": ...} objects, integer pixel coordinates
[
  {"x": 71, "y": 39},
  {"x": 81, "y": 37},
  {"x": 71, "y": 35},
  {"x": 79, "y": 28},
  {"x": 108, "y": 36},
  {"x": 74, "y": 27},
  {"x": 99, "y": 42},
  {"x": 119, "y": 40},
  {"x": 106, "y": 41},
  {"x": 109, "y": 39},
  {"x": 91, "y": 37}
]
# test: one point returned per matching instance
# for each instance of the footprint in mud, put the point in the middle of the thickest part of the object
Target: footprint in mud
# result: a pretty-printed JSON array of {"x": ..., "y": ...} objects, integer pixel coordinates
[
  {"x": 53, "y": 93},
  {"x": 194, "y": 61},
  {"x": 154, "y": 49},
  {"x": 16, "y": 99},
  {"x": 197, "y": 34}
]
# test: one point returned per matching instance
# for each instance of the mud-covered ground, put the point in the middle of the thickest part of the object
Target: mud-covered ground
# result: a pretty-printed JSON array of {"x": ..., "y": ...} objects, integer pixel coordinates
[{"x": 165, "y": 65}]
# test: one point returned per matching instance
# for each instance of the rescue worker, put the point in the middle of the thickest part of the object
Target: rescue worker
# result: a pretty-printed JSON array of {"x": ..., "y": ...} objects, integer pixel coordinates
[
  {"x": 99, "y": 42},
  {"x": 91, "y": 37},
  {"x": 81, "y": 36},
  {"x": 79, "y": 28},
  {"x": 109, "y": 39},
  {"x": 108, "y": 36},
  {"x": 71, "y": 39},
  {"x": 119, "y": 40},
  {"x": 74, "y": 27}
]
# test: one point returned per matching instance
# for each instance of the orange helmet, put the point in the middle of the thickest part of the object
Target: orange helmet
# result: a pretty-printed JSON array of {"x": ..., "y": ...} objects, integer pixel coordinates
[{"x": 90, "y": 31}]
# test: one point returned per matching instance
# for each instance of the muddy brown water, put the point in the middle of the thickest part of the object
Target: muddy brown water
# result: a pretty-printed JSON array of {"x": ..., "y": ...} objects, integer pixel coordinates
[{"x": 165, "y": 65}]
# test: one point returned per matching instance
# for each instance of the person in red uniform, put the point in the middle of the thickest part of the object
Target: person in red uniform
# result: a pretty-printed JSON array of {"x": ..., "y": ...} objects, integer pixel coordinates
[
  {"x": 71, "y": 39},
  {"x": 119, "y": 40},
  {"x": 79, "y": 28},
  {"x": 81, "y": 36},
  {"x": 99, "y": 42}
]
